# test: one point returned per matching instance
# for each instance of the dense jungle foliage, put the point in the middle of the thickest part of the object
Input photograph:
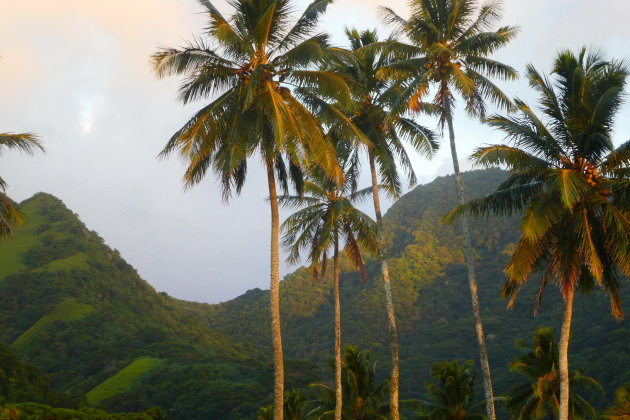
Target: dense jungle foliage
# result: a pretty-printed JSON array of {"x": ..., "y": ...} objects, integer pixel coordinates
[{"x": 74, "y": 309}]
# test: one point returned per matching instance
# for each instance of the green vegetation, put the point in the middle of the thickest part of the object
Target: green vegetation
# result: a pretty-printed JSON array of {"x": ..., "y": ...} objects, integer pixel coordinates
[
  {"x": 123, "y": 381},
  {"x": 33, "y": 411},
  {"x": 21, "y": 382},
  {"x": 429, "y": 281},
  {"x": 621, "y": 409},
  {"x": 74, "y": 308},
  {"x": 365, "y": 397},
  {"x": 13, "y": 250},
  {"x": 221, "y": 372},
  {"x": 540, "y": 396},
  {"x": 65, "y": 311},
  {"x": 452, "y": 397}
]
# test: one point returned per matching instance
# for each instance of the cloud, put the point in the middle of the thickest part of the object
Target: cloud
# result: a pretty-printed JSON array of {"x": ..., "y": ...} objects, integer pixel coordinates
[{"x": 78, "y": 73}]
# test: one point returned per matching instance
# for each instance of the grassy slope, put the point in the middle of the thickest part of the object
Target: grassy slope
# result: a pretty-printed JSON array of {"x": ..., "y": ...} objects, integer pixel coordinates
[
  {"x": 65, "y": 311},
  {"x": 54, "y": 249},
  {"x": 25, "y": 237},
  {"x": 123, "y": 381},
  {"x": 40, "y": 411}
]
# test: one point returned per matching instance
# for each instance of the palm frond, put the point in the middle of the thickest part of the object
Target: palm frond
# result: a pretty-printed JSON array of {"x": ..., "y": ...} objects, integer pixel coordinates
[
  {"x": 513, "y": 158},
  {"x": 570, "y": 184},
  {"x": 504, "y": 202},
  {"x": 27, "y": 143},
  {"x": 304, "y": 26},
  {"x": 10, "y": 216}
]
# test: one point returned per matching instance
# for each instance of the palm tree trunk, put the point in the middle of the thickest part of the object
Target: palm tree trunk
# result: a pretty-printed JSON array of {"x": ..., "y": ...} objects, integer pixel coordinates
[
  {"x": 391, "y": 316},
  {"x": 338, "y": 393},
  {"x": 564, "y": 355},
  {"x": 275, "y": 297},
  {"x": 472, "y": 279}
]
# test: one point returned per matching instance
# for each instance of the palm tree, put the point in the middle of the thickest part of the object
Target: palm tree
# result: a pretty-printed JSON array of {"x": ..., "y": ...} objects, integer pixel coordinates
[
  {"x": 265, "y": 413},
  {"x": 452, "y": 395},
  {"x": 571, "y": 183},
  {"x": 364, "y": 399},
  {"x": 328, "y": 221},
  {"x": 248, "y": 65},
  {"x": 621, "y": 409},
  {"x": 293, "y": 404},
  {"x": 539, "y": 396},
  {"x": 453, "y": 39},
  {"x": 9, "y": 214},
  {"x": 376, "y": 127}
]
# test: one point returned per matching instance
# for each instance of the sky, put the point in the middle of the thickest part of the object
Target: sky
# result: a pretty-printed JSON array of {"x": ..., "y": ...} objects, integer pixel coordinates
[{"x": 77, "y": 73}]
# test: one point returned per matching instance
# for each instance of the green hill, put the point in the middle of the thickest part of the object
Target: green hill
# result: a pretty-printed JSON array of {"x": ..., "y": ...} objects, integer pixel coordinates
[
  {"x": 74, "y": 308},
  {"x": 432, "y": 301}
]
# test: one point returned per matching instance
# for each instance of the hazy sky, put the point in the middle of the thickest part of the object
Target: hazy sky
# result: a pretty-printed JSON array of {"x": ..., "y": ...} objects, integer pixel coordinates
[{"x": 77, "y": 73}]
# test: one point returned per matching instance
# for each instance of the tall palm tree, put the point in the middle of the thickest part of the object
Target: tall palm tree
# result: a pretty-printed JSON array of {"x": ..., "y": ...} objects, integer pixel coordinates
[
  {"x": 454, "y": 39},
  {"x": 374, "y": 125},
  {"x": 452, "y": 395},
  {"x": 248, "y": 66},
  {"x": 539, "y": 396},
  {"x": 571, "y": 183},
  {"x": 328, "y": 221},
  {"x": 9, "y": 214}
]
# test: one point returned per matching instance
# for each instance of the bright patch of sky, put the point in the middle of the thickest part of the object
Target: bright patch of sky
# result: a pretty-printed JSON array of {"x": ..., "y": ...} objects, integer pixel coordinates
[{"x": 78, "y": 73}]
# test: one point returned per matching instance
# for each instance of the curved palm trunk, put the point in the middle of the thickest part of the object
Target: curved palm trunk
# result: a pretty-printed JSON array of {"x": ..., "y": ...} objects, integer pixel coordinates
[
  {"x": 563, "y": 350},
  {"x": 472, "y": 278},
  {"x": 278, "y": 402},
  {"x": 338, "y": 393},
  {"x": 391, "y": 316}
]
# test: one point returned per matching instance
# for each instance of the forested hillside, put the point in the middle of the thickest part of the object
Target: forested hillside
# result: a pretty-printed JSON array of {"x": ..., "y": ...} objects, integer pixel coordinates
[
  {"x": 75, "y": 309},
  {"x": 433, "y": 301}
]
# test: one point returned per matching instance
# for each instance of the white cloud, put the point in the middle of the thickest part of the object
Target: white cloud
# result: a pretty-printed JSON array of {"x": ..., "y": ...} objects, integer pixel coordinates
[{"x": 73, "y": 67}]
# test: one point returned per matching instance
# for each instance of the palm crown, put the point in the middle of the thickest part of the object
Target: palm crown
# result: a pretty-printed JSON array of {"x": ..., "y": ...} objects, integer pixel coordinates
[
  {"x": 328, "y": 220},
  {"x": 540, "y": 396},
  {"x": 452, "y": 395},
  {"x": 250, "y": 63},
  {"x": 452, "y": 40},
  {"x": 363, "y": 395},
  {"x": 378, "y": 124},
  {"x": 567, "y": 177}
]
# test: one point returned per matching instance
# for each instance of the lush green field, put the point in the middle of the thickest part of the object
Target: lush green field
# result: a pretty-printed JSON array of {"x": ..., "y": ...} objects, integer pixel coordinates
[
  {"x": 66, "y": 311},
  {"x": 33, "y": 411},
  {"x": 123, "y": 381}
]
